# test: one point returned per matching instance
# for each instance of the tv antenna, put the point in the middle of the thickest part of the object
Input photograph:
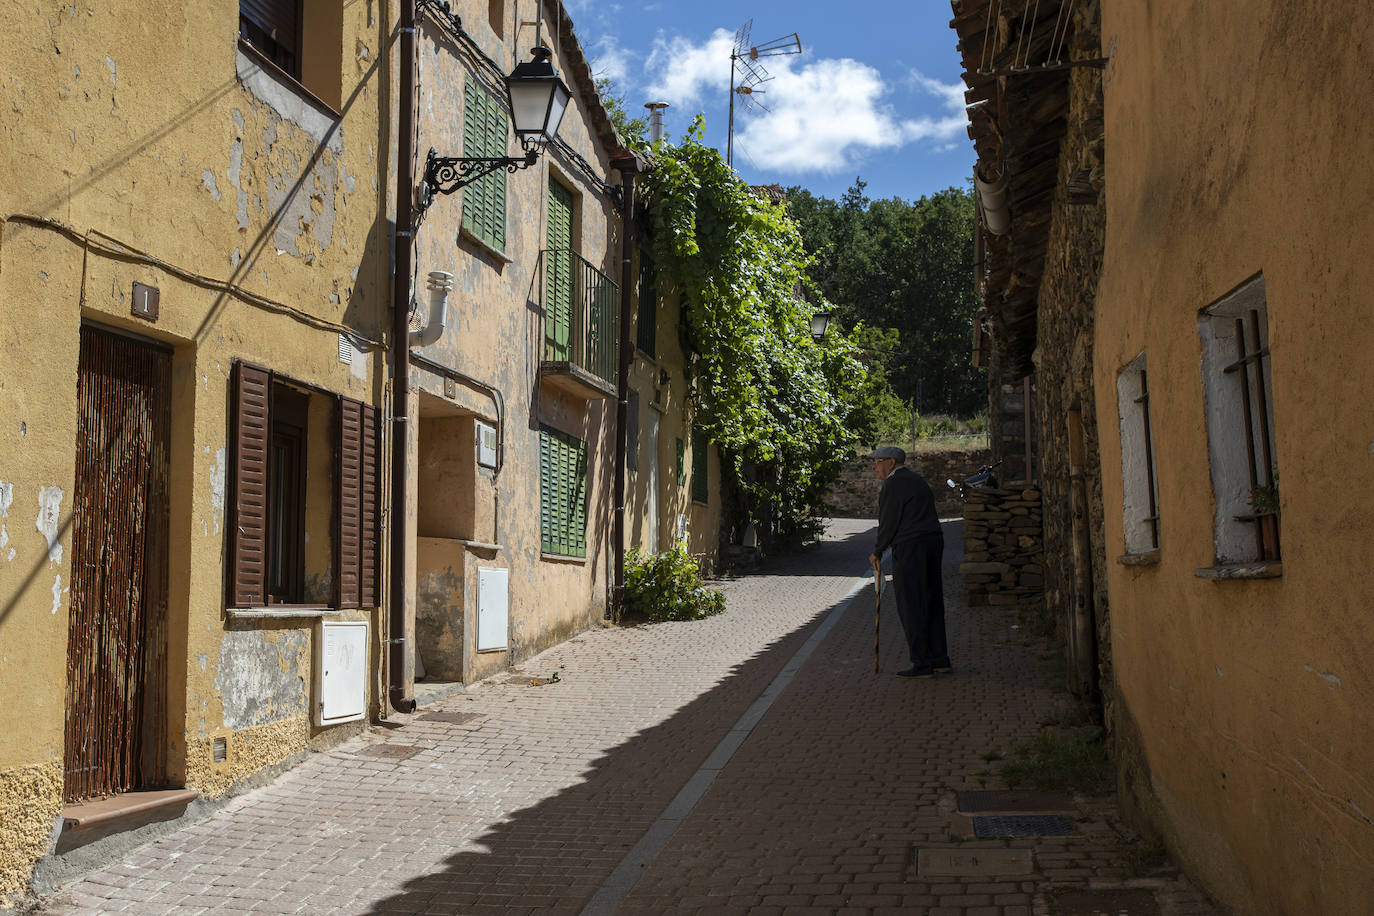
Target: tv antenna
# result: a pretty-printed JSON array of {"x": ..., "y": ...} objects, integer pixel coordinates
[{"x": 753, "y": 74}]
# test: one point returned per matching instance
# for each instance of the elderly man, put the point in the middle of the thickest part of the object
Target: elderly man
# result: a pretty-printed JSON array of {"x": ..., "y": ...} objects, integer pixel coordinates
[{"x": 907, "y": 523}]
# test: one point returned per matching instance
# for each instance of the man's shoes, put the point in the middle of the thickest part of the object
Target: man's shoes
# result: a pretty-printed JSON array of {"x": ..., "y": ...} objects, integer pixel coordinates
[
  {"x": 942, "y": 666},
  {"x": 919, "y": 671}
]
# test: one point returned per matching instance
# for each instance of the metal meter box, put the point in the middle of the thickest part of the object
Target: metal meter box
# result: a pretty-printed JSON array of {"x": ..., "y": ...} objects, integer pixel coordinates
[
  {"x": 340, "y": 671},
  {"x": 486, "y": 445},
  {"x": 493, "y": 608}
]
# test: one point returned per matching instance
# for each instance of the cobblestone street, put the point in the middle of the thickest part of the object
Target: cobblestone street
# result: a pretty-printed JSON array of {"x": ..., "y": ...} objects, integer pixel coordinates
[{"x": 751, "y": 762}]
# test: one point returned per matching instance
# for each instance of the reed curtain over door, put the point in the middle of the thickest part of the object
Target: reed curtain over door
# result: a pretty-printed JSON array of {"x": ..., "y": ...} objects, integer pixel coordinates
[{"x": 117, "y": 643}]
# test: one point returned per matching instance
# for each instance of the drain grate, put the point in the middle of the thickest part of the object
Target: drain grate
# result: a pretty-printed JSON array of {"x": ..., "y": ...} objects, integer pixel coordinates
[
  {"x": 1022, "y": 825},
  {"x": 1014, "y": 802},
  {"x": 452, "y": 718},
  {"x": 391, "y": 751}
]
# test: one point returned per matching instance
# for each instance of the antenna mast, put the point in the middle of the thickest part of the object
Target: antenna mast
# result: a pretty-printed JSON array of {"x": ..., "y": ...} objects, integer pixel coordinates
[{"x": 752, "y": 74}]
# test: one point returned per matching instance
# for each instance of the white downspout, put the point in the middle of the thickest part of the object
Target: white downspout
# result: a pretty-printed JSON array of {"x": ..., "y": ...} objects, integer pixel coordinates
[
  {"x": 440, "y": 282},
  {"x": 992, "y": 197}
]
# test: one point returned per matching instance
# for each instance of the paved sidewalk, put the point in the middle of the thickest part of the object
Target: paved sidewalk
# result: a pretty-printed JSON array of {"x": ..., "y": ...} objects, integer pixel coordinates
[{"x": 519, "y": 798}]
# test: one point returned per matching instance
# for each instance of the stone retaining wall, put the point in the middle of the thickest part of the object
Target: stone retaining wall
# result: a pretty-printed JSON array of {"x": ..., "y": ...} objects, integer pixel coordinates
[
  {"x": 1004, "y": 544},
  {"x": 855, "y": 493}
]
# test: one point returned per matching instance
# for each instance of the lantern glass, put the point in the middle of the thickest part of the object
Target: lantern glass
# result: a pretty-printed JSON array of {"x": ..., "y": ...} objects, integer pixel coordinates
[
  {"x": 538, "y": 98},
  {"x": 820, "y": 323}
]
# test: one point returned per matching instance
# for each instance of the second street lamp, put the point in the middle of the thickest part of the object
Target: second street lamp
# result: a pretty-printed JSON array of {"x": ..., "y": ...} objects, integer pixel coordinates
[{"x": 537, "y": 99}]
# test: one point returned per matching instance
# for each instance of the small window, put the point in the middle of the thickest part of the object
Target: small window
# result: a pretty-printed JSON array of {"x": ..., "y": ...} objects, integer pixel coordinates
[
  {"x": 1240, "y": 425},
  {"x": 1139, "y": 485},
  {"x": 302, "y": 38},
  {"x": 496, "y": 17},
  {"x": 273, "y": 28},
  {"x": 701, "y": 481},
  {"x": 304, "y": 473},
  {"x": 562, "y": 493},
  {"x": 484, "y": 134}
]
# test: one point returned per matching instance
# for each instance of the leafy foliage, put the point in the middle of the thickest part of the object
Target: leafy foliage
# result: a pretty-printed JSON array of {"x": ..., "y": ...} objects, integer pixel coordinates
[
  {"x": 633, "y": 131},
  {"x": 668, "y": 586},
  {"x": 775, "y": 402},
  {"x": 907, "y": 267}
]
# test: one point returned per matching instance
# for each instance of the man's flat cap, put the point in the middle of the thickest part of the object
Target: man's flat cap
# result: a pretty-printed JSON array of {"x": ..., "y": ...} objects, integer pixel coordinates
[{"x": 888, "y": 451}]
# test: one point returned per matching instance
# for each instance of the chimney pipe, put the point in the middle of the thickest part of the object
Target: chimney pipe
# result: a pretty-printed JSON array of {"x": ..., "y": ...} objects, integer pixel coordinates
[
  {"x": 440, "y": 282},
  {"x": 656, "y": 120}
]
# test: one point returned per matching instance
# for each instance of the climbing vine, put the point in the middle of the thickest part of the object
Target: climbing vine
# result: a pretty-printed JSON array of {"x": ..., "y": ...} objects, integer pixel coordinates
[{"x": 771, "y": 399}]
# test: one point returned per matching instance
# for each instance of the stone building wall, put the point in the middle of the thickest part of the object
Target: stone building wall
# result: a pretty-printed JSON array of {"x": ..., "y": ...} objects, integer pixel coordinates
[
  {"x": 855, "y": 493},
  {"x": 1003, "y": 547}
]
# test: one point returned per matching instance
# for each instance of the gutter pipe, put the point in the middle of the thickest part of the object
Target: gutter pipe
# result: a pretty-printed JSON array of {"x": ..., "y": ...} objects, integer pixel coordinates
[
  {"x": 399, "y": 659},
  {"x": 630, "y": 164},
  {"x": 992, "y": 200}
]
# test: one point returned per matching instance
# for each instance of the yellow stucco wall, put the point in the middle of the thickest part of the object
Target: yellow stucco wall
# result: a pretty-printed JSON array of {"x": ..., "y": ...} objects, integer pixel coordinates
[
  {"x": 139, "y": 143},
  {"x": 495, "y": 336},
  {"x": 1234, "y": 134}
]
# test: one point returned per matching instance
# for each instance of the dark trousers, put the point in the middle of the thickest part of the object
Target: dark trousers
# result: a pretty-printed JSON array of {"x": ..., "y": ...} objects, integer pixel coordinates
[{"x": 920, "y": 593}]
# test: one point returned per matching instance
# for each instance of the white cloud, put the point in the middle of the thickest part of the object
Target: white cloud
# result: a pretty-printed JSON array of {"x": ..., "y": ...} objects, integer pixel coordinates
[
  {"x": 821, "y": 115},
  {"x": 682, "y": 73},
  {"x": 610, "y": 60}
]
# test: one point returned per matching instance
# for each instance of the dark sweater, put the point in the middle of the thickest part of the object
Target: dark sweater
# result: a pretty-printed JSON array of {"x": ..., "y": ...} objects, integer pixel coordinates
[{"x": 906, "y": 509}]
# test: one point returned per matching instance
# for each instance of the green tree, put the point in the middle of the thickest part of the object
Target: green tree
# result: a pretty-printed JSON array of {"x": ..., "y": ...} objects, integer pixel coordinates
[
  {"x": 906, "y": 267},
  {"x": 777, "y": 404},
  {"x": 633, "y": 131}
]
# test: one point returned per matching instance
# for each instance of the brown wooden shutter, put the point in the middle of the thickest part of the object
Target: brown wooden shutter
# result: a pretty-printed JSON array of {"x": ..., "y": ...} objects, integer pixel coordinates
[
  {"x": 247, "y": 585},
  {"x": 350, "y": 499},
  {"x": 368, "y": 583}
]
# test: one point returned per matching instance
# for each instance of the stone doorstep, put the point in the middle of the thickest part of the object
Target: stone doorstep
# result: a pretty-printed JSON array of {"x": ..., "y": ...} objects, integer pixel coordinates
[{"x": 129, "y": 805}]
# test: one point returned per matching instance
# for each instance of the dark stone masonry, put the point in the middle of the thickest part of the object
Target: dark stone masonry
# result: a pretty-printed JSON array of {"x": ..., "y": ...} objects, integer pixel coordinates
[
  {"x": 855, "y": 493},
  {"x": 1003, "y": 547}
]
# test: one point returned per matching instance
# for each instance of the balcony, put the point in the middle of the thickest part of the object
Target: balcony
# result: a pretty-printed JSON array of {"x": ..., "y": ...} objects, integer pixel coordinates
[{"x": 581, "y": 327}]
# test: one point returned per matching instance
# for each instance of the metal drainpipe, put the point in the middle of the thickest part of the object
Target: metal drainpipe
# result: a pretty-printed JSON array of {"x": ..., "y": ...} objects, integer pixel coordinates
[
  {"x": 398, "y": 657},
  {"x": 629, "y": 165}
]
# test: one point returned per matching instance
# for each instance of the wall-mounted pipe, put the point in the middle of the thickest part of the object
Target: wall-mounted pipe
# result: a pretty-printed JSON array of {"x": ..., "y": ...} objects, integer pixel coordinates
[
  {"x": 440, "y": 282},
  {"x": 398, "y": 658},
  {"x": 992, "y": 200}
]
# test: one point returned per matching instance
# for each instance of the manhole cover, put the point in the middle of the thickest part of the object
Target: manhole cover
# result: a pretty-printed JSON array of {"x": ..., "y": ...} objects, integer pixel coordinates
[
  {"x": 945, "y": 862},
  {"x": 524, "y": 680},
  {"x": 391, "y": 751},
  {"x": 1014, "y": 802},
  {"x": 1023, "y": 825},
  {"x": 1104, "y": 903},
  {"x": 452, "y": 718}
]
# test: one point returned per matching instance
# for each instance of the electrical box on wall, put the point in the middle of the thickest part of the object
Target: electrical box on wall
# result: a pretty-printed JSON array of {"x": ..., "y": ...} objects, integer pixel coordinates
[
  {"x": 486, "y": 445},
  {"x": 493, "y": 608},
  {"x": 340, "y": 671}
]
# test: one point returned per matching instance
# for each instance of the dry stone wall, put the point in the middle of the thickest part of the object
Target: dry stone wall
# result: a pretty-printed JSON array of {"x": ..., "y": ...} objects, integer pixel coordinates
[
  {"x": 855, "y": 493},
  {"x": 1004, "y": 547}
]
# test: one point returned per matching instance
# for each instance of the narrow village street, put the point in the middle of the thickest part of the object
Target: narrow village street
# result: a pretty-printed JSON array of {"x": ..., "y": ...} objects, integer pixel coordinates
[{"x": 750, "y": 762}]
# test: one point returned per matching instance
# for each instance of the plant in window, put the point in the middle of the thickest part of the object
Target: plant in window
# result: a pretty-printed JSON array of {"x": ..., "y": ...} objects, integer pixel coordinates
[{"x": 1264, "y": 499}]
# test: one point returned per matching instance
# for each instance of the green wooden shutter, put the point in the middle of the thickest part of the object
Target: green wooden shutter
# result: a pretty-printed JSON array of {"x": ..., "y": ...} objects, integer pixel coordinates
[
  {"x": 484, "y": 134},
  {"x": 647, "y": 325},
  {"x": 562, "y": 494},
  {"x": 559, "y": 268},
  {"x": 681, "y": 464},
  {"x": 701, "y": 483}
]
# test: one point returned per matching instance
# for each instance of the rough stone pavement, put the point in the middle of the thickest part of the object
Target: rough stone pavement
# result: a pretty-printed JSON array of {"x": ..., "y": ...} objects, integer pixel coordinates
[{"x": 531, "y": 801}]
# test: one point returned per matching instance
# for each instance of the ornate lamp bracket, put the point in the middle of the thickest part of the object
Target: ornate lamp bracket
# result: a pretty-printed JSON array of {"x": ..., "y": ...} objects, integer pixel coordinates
[{"x": 446, "y": 174}]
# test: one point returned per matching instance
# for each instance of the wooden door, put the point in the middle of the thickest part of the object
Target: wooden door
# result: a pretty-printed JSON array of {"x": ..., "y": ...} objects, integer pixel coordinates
[{"x": 116, "y": 717}]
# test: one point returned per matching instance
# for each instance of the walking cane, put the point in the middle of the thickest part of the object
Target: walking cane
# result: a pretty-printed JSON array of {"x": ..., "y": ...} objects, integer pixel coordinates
[{"x": 877, "y": 610}]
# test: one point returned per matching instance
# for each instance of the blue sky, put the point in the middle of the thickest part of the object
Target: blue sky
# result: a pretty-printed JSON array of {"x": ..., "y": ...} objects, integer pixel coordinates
[{"x": 874, "y": 93}]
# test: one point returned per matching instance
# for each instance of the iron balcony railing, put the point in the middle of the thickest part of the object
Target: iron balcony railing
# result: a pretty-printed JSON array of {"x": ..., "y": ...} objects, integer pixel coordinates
[{"x": 581, "y": 314}]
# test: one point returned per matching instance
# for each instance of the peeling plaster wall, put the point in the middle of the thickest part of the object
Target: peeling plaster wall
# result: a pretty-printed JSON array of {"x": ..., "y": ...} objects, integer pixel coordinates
[
  {"x": 172, "y": 160},
  {"x": 495, "y": 336},
  {"x": 1248, "y": 702}
]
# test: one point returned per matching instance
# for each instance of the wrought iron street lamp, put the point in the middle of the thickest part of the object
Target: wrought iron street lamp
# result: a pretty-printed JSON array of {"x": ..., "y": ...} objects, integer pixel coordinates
[{"x": 538, "y": 99}]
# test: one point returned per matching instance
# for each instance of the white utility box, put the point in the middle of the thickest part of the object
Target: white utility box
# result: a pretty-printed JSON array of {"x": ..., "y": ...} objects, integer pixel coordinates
[
  {"x": 486, "y": 445},
  {"x": 493, "y": 608},
  {"x": 340, "y": 671}
]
